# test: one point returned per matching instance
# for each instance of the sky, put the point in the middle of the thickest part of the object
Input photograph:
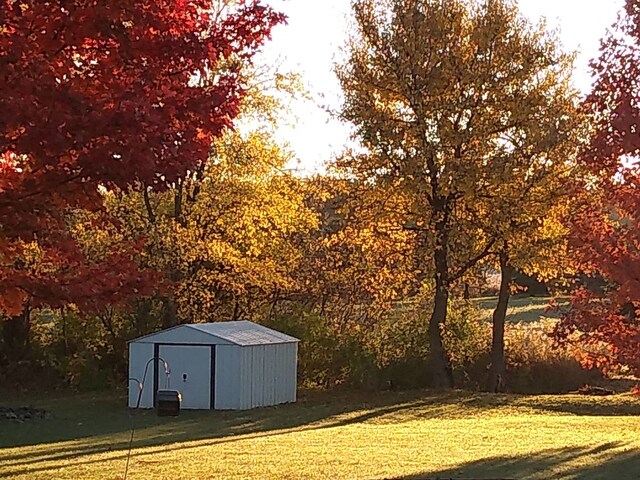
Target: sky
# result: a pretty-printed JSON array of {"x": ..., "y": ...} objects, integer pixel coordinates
[{"x": 311, "y": 42}]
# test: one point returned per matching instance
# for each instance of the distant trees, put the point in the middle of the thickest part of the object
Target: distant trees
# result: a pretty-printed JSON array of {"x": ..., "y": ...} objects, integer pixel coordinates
[{"x": 465, "y": 110}]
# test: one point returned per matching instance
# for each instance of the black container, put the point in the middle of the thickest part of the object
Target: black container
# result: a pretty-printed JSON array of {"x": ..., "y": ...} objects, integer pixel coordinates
[{"x": 168, "y": 403}]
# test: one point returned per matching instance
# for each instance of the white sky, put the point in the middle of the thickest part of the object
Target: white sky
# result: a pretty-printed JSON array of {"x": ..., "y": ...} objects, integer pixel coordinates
[{"x": 316, "y": 30}]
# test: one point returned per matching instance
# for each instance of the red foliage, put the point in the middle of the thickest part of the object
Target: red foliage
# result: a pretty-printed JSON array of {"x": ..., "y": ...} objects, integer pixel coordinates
[
  {"x": 102, "y": 94},
  {"x": 605, "y": 325}
]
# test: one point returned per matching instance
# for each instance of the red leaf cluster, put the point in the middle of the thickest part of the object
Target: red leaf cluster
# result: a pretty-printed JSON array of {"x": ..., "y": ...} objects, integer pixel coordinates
[
  {"x": 605, "y": 325},
  {"x": 109, "y": 94}
]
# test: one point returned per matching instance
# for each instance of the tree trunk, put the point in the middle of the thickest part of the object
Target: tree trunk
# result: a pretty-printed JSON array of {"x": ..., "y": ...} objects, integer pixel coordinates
[
  {"x": 442, "y": 374},
  {"x": 440, "y": 363},
  {"x": 495, "y": 380},
  {"x": 236, "y": 311},
  {"x": 169, "y": 313},
  {"x": 16, "y": 332}
]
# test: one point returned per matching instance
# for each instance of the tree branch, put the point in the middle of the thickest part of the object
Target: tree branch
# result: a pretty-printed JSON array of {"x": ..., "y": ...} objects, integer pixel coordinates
[
  {"x": 486, "y": 251},
  {"x": 147, "y": 204}
]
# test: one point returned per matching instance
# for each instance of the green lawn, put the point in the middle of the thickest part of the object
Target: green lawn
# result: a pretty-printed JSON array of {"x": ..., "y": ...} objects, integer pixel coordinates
[
  {"x": 325, "y": 436},
  {"x": 522, "y": 308}
]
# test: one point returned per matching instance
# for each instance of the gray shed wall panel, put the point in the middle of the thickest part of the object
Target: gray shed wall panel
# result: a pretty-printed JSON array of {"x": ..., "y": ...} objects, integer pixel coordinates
[
  {"x": 245, "y": 377},
  {"x": 256, "y": 377},
  {"x": 288, "y": 368},
  {"x": 294, "y": 374},
  {"x": 282, "y": 377},
  {"x": 270, "y": 372},
  {"x": 267, "y": 375},
  {"x": 228, "y": 377},
  {"x": 139, "y": 355}
]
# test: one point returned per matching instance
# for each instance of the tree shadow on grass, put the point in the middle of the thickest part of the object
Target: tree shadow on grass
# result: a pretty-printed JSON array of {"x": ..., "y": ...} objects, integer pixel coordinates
[
  {"x": 604, "y": 462},
  {"x": 90, "y": 425},
  {"x": 84, "y": 416},
  {"x": 574, "y": 404}
]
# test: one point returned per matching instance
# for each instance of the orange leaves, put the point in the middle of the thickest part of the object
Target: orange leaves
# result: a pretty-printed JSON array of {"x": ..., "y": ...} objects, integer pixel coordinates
[{"x": 12, "y": 301}]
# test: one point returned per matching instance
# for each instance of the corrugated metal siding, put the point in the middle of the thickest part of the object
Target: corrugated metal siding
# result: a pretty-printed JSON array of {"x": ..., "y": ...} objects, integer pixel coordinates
[
  {"x": 245, "y": 377},
  {"x": 287, "y": 366},
  {"x": 139, "y": 355},
  {"x": 228, "y": 377},
  {"x": 293, "y": 362},
  {"x": 278, "y": 376},
  {"x": 270, "y": 373},
  {"x": 259, "y": 375}
]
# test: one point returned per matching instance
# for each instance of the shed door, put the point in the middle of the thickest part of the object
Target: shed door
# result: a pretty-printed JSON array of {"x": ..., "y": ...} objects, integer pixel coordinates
[{"x": 194, "y": 362}]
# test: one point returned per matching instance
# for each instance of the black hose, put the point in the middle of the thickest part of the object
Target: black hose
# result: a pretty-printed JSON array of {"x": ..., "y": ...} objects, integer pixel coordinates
[{"x": 140, "y": 390}]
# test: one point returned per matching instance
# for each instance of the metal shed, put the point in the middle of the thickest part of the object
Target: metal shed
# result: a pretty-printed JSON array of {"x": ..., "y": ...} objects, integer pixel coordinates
[{"x": 223, "y": 366}]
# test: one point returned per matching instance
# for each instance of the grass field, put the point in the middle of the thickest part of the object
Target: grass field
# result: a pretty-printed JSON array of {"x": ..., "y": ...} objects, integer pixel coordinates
[
  {"x": 407, "y": 435},
  {"x": 522, "y": 308}
]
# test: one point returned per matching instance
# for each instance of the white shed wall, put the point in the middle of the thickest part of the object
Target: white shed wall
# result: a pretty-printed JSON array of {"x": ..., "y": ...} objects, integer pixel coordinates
[
  {"x": 246, "y": 377},
  {"x": 228, "y": 377},
  {"x": 269, "y": 378},
  {"x": 268, "y": 375},
  {"x": 287, "y": 371},
  {"x": 258, "y": 368},
  {"x": 281, "y": 377},
  {"x": 139, "y": 355}
]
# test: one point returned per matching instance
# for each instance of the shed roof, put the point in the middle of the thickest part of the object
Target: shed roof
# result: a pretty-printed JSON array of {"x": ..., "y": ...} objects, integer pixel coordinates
[{"x": 243, "y": 333}]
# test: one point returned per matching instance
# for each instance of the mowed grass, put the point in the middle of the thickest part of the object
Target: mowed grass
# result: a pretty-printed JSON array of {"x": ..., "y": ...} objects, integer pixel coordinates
[
  {"x": 408, "y": 435},
  {"x": 522, "y": 308}
]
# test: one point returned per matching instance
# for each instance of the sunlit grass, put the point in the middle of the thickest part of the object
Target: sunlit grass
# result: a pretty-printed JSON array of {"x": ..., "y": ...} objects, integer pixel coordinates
[
  {"x": 521, "y": 308},
  {"x": 392, "y": 435}
]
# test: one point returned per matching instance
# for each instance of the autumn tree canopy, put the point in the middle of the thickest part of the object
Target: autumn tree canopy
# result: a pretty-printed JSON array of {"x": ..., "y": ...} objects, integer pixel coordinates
[
  {"x": 605, "y": 231},
  {"x": 103, "y": 95},
  {"x": 451, "y": 100}
]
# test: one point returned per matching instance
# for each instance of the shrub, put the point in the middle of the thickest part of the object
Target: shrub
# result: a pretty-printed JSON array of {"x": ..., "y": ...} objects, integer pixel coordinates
[
  {"x": 535, "y": 366},
  {"x": 79, "y": 349},
  {"x": 390, "y": 351},
  {"x": 329, "y": 354}
]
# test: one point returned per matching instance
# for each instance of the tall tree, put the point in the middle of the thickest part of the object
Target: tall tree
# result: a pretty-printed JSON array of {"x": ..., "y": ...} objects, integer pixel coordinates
[
  {"x": 441, "y": 94},
  {"x": 103, "y": 95},
  {"x": 605, "y": 230},
  {"x": 536, "y": 244}
]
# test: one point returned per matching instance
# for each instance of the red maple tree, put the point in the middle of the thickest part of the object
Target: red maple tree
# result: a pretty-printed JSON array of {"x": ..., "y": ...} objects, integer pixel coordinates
[
  {"x": 102, "y": 95},
  {"x": 604, "y": 324}
]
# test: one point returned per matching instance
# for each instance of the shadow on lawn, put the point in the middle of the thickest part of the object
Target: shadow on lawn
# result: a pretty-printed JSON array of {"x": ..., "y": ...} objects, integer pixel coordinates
[
  {"x": 101, "y": 418},
  {"x": 93, "y": 425},
  {"x": 574, "y": 404},
  {"x": 573, "y": 463}
]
